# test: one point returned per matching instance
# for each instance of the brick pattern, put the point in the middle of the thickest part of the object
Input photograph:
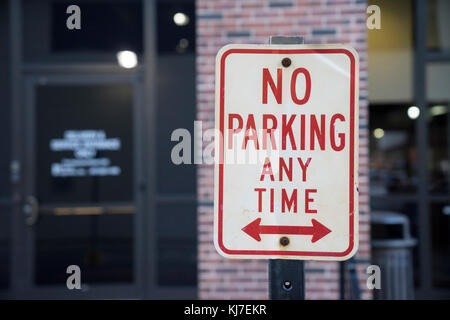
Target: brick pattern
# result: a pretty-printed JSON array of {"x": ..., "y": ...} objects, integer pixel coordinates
[{"x": 221, "y": 22}]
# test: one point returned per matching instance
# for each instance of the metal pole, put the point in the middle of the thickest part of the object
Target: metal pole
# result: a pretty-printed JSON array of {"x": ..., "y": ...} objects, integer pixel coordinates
[
  {"x": 286, "y": 277},
  {"x": 423, "y": 200},
  {"x": 356, "y": 295},
  {"x": 342, "y": 266}
]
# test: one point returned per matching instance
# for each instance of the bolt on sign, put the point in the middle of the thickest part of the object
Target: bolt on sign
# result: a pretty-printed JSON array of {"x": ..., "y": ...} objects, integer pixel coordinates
[{"x": 286, "y": 171}]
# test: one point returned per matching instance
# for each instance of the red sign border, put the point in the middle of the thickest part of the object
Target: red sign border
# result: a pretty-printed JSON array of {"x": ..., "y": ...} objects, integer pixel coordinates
[{"x": 352, "y": 142}]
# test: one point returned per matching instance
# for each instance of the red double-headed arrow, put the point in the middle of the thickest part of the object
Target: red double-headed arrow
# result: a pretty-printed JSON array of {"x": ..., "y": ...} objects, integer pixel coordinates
[{"x": 317, "y": 230}]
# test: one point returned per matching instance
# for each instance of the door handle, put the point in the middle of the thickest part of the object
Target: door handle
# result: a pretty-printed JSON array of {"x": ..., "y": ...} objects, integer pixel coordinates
[{"x": 31, "y": 210}]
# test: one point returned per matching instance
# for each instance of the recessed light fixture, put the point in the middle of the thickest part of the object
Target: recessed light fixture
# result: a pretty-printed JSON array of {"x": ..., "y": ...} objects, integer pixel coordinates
[
  {"x": 378, "y": 133},
  {"x": 182, "y": 45},
  {"x": 438, "y": 110},
  {"x": 413, "y": 112},
  {"x": 180, "y": 19},
  {"x": 127, "y": 59}
]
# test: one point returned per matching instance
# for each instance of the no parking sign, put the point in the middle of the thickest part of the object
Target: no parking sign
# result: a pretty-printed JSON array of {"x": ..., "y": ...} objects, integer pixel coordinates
[{"x": 286, "y": 171}]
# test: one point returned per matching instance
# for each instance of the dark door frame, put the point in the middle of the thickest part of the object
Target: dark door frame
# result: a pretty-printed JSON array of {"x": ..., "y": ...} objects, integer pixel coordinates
[
  {"x": 27, "y": 289},
  {"x": 23, "y": 78},
  {"x": 144, "y": 79},
  {"x": 422, "y": 58},
  {"x": 422, "y": 196}
]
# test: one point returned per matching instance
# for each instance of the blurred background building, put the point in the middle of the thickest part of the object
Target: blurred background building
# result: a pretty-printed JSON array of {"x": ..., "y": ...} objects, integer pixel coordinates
[{"x": 140, "y": 226}]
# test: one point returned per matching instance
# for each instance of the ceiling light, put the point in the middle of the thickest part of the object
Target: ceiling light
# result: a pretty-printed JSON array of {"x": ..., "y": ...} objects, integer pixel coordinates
[
  {"x": 438, "y": 110},
  {"x": 413, "y": 112},
  {"x": 180, "y": 19},
  {"x": 378, "y": 133},
  {"x": 127, "y": 59}
]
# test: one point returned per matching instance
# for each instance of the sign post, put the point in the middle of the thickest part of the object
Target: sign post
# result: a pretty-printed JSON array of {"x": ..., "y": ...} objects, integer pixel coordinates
[
  {"x": 286, "y": 171},
  {"x": 286, "y": 277}
]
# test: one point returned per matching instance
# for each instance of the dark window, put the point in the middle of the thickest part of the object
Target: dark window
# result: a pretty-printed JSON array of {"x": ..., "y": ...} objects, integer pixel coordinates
[
  {"x": 393, "y": 152},
  {"x": 176, "y": 184},
  {"x": 440, "y": 225},
  {"x": 177, "y": 254},
  {"x": 84, "y": 156},
  {"x": 176, "y": 37},
  {"x": 438, "y": 38},
  {"x": 101, "y": 245},
  {"x": 106, "y": 28},
  {"x": 109, "y": 27},
  {"x": 84, "y": 146}
]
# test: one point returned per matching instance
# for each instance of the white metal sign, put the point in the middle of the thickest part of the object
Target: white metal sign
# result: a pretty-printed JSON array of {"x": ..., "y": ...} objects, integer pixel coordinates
[{"x": 286, "y": 171}]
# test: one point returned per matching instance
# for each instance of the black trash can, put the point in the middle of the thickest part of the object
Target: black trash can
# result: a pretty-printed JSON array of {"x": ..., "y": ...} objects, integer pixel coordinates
[{"x": 392, "y": 251}]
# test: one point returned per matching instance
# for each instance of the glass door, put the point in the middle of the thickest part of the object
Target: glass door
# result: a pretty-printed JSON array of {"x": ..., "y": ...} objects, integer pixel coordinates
[
  {"x": 438, "y": 166},
  {"x": 432, "y": 83},
  {"x": 81, "y": 200}
]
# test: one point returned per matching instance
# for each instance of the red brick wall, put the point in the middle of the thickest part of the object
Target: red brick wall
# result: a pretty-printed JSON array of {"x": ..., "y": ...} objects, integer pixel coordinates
[{"x": 220, "y": 22}]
